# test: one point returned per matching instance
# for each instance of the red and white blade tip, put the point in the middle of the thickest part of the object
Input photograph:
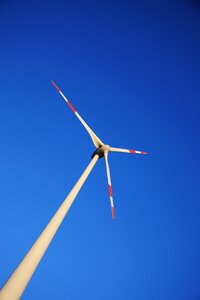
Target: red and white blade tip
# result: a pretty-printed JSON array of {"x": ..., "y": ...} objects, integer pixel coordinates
[
  {"x": 137, "y": 152},
  {"x": 66, "y": 100},
  {"x": 55, "y": 86},
  {"x": 111, "y": 198}
]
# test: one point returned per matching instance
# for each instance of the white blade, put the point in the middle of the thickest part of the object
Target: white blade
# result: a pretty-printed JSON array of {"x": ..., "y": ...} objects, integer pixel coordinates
[
  {"x": 97, "y": 142},
  {"x": 127, "y": 151},
  {"x": 109, "y": 184}
]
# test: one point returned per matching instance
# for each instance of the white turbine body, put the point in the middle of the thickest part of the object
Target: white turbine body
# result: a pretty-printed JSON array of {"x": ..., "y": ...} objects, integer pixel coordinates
[{"x": 16, "y": 284}]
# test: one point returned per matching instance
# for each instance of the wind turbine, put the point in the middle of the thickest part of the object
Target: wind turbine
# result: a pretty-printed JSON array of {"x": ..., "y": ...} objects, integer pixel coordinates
[
  {"x": 102, "y": 149},
  {"x": 16, "y": 284}
]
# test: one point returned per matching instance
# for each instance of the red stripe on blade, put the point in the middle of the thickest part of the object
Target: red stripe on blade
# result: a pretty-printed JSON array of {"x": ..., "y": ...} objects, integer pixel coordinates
[
  {"x": 113, "y": 212},
  {"x": 71, "y": 106},
  {"x": 110, "y": 190},
  {"x": 55, "y": 86},
  {"x": 132, "y": 151},
  {"x": 144, "y": 152}
]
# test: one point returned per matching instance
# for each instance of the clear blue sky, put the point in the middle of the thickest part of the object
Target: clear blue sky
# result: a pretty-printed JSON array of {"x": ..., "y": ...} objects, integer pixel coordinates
[{"x": 132, "y": 70}]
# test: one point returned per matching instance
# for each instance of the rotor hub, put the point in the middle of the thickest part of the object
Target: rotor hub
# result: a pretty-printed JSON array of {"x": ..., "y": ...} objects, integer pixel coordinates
[{"x": 101, "y": 150}]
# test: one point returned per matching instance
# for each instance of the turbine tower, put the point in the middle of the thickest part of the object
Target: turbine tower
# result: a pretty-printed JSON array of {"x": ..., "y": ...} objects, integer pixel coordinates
[{"x": 16, "y": 284}]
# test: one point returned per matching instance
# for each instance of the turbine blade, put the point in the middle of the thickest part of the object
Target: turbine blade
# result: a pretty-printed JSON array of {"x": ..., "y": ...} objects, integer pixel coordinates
[
  {"x": 127, "y": 151},
  {"x": 97, "y": 142},
  {"x": 109, "y": 185}
]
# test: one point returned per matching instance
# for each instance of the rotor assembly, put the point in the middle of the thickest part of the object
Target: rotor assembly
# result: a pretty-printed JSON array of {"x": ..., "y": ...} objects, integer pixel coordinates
[{"x": 101, "y": 150}]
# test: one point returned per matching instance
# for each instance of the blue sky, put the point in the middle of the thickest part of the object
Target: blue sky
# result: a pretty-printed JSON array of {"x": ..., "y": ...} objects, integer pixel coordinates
[{"x": 132, "y": 70}]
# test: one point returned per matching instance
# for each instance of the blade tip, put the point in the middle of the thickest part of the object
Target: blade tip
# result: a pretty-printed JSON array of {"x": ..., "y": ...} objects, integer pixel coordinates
[
  {"x": 113, "y": 213},
  {"x": 55, "y": 85}
]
